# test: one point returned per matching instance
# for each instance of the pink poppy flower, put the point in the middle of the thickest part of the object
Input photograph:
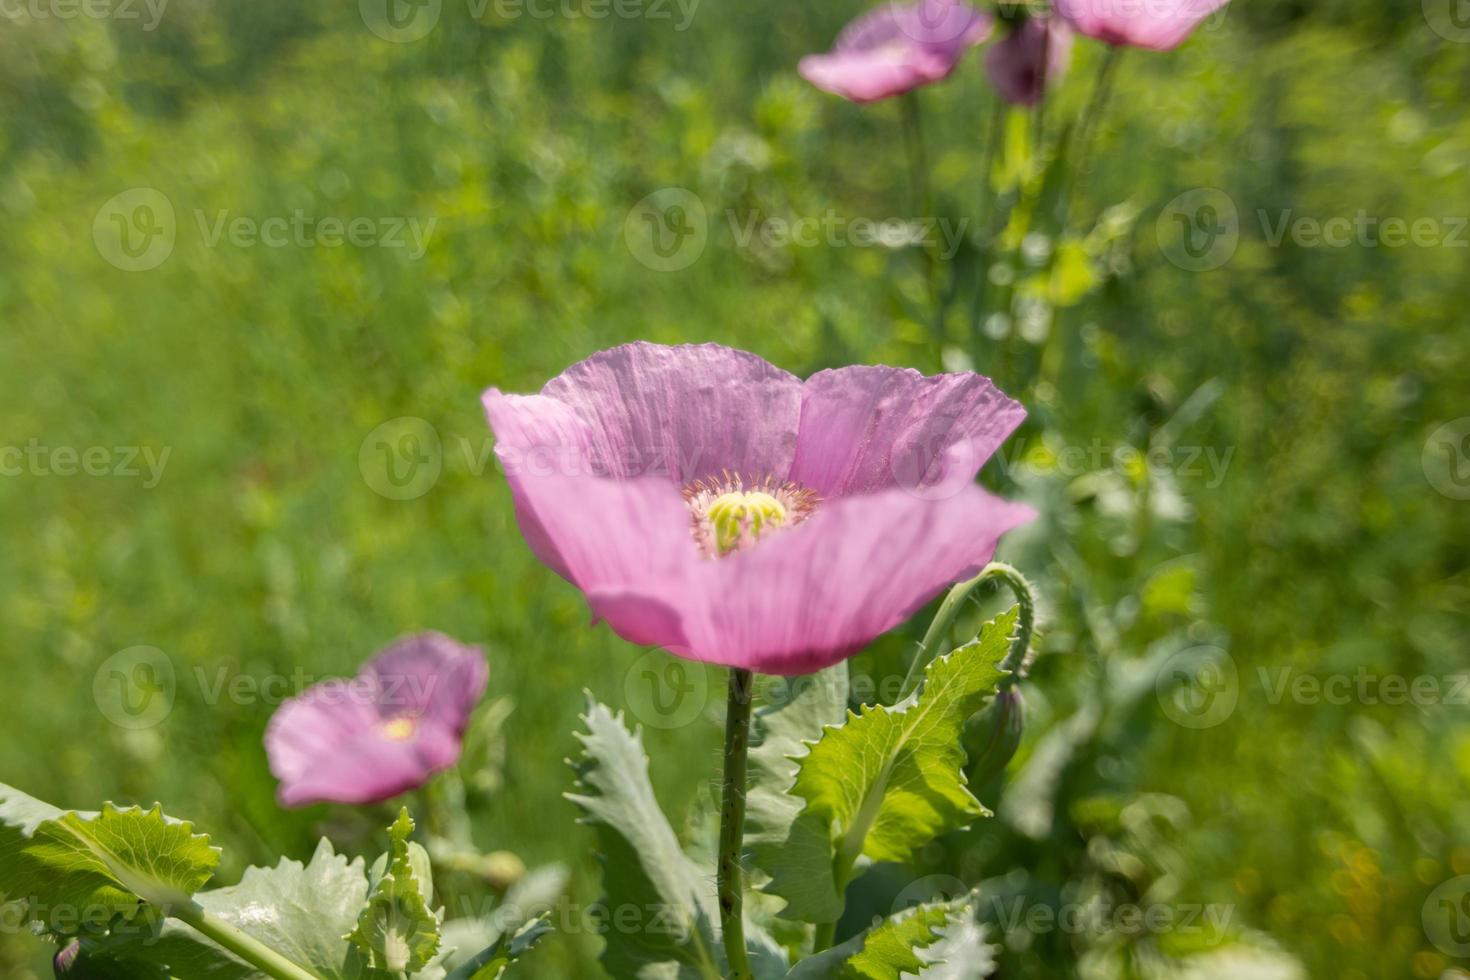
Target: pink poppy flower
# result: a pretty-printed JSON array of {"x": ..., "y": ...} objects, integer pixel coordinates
[
  {"x": 709, "y": 503},
  {"x": 1159, "y": 25},
  {"x": 897, "y": 48},
  {"x": 1015, "y": 63},
  {"x": 384, "y": 732}
]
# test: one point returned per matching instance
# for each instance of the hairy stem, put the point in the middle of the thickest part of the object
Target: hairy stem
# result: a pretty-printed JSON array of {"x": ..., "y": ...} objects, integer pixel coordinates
[
  {"x": 732, "y": 823},
  {"x": 242, "y": 944},
  {"x": 938, "y": 633}
]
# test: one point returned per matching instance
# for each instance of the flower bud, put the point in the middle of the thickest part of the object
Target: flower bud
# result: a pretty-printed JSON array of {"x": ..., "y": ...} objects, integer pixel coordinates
[{"x": 992, "y": 737}]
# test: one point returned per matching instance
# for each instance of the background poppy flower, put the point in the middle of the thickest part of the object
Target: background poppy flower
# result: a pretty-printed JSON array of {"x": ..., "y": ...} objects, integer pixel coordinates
[
  {"x": 714, "y": 505},
  {"x": 1159, "y": 25},
  {"x": 382, "y": 733},
  {"x": 896, "y": 49}
]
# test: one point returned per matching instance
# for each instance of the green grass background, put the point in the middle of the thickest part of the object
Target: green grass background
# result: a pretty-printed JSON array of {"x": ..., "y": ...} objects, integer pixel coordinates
[{"x": 264, "y": 549}]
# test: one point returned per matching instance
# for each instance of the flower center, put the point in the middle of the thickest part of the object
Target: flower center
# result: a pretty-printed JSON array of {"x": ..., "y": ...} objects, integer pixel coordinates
[
  {"x": 399, "y": 729},
  {"x": 731, "y": 517}
]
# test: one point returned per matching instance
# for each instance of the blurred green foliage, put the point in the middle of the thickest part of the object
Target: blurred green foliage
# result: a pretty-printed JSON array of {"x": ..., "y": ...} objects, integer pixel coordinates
[{"x": 1318, "y": 372}]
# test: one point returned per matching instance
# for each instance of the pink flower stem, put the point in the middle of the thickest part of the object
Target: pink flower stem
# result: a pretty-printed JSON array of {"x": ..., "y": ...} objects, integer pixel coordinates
[
  {"x": 732, "y": 823},
  {"x": 921, "y": 203},
  {"x": 1038, "y": 114}
]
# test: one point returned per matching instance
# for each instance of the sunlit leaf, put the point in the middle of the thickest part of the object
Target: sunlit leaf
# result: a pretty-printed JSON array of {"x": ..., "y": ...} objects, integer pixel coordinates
[{"x": 887, "y": 781}]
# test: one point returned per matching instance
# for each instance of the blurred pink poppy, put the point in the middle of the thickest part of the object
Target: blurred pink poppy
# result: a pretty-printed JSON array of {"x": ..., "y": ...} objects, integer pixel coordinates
[
  {"x": 382, "y": 733},
  {"x": 1159, "y": 25},
  {"x": 897, "y": 48},
  {"x": 1034, "y": 54},
  {"x": 709, "y": 503}
]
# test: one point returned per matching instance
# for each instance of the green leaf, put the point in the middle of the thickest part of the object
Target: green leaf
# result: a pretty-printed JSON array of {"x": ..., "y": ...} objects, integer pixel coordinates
[
  {"x": 302, "y": 911},
  {"x": 887, "y": 781},
  {"x": 784, "y": 731},
  {"x": 885, "y": 951},
  {"x": 102, "y": 866},
  {"x": 536, "y": 894},
  {"x": 659, "y": 906},
  {"x": 493, "y": 962},
  {"x": 396, "y": 931},
  {"x": 963, "y": 953}
]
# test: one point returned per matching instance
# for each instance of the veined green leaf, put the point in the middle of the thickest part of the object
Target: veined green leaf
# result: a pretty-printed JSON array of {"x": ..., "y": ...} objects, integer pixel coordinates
[
  {"x": 97, "y": 867},
  {"x": 493, "y": 962},
  {"x": 658, "y": 905},
  {"x": 659, "y": 916},
  {"x": 396, "y": 930},
  {"x": 887, "y": 781},
  {"x": 784, "y": 730},
  {"x": 887, "y": 950},
  {"x": 303, "y": 911},
  {"x": 963, "y": 953}
]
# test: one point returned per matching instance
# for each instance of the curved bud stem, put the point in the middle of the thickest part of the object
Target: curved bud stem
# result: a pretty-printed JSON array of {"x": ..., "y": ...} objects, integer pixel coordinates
[{"x": 1017, "y": 660}]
